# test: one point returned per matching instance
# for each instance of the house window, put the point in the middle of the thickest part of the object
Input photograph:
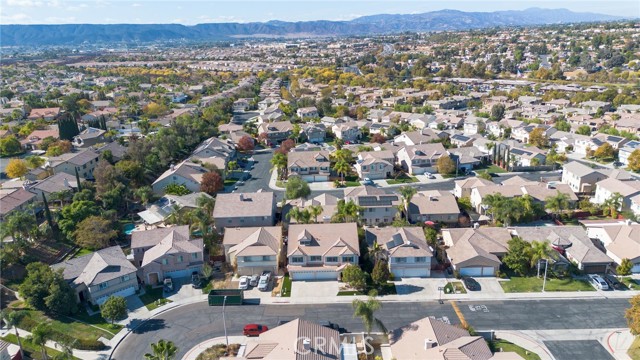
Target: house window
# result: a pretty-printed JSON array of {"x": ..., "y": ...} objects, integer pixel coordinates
[
  {"x": 180, "y": 258},
  {"x": 332, "y": 259},
  {"x": 347, "y": 259},
  {"x": 315, "y": 258},
  {"x": 103, "y": 285},
  {"x": 421, "y": 259},
  {"x": 125, "y": 278},
  {"x": 266, "y": 258},
  {"x": 165, "y": 261},
  {"x": 194, "y": 256},
  {"x": 297, "y": 259},
  {"x": 401, "y": 260}
]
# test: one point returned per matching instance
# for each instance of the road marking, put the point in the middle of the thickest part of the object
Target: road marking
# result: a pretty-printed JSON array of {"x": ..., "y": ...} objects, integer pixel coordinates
[
  {"x": 460, "y": 315},
  {"x": 482, "y": 308}
]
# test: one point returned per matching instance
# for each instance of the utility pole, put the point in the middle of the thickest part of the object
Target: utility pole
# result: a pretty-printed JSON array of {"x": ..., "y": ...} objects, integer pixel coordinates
[
  {"x": 224, "y": 322},
  {"x": 544, "y": 282}
]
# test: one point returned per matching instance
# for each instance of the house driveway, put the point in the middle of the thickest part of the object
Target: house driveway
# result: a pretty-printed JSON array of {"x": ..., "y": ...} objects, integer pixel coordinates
[
  {"x": 489, "y": 288},
  {"x": 136, "y": 308},
  {"x": 419, "y": 288},
  {"x": 314, "y": 289},
  {"x": 182, "y": 290}
]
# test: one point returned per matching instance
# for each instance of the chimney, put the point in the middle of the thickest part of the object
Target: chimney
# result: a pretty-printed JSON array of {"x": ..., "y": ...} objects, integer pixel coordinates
[
  {"x": 241, "y": 197},
  {"x": 429, "y": 344},
  {"x": 66, "y": 183},
  {"x": 172, "y": 167},
  {"x": 430, "y": 197},
  {"x": 306, "y": 343}
]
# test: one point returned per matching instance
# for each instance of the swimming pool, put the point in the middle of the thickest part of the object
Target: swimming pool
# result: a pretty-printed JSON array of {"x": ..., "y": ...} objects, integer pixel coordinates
[{"x": 128, "y": 228}]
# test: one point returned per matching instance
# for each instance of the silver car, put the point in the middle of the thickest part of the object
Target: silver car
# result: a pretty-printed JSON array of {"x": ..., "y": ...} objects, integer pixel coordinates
[
  {"x": 244, "y": 283},
  {"x": 263, "y": 284},
  {"x": 254, "y": 280}
]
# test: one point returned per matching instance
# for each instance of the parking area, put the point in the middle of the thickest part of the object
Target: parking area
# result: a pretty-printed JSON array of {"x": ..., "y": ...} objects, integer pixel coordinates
[
  {"x": 578, "y": 349},
  {"x": 427, "y": 287},
  {"x": 182, "y": 289},
  {"x": 314, "y": 289}
]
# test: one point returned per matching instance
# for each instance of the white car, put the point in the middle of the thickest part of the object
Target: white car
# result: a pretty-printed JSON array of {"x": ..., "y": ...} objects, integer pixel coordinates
[
  {"x": 263, "y": 284},
  {"x": 598, "y": 282},
  {"x": 244, "y": 283}
]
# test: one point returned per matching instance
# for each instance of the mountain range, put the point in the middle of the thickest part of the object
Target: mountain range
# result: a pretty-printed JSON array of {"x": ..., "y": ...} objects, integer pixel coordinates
[{"x": 74, "y": 34}]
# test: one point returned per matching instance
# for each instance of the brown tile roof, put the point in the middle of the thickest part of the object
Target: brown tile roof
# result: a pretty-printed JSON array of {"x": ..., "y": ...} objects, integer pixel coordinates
[
  {"x": 323, "y": 239},
  {"x": 244, "y": 205}
]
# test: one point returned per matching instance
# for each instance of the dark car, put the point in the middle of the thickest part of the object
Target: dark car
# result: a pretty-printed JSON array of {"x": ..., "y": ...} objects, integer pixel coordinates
[
  {"x": 254, "y": 329},
  {"x": 471, "y": 284},
  {"x": 614, "y": 283}
]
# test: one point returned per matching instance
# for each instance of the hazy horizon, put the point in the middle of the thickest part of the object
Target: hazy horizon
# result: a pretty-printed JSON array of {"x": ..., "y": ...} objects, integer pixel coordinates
[{"x": 51, "y": 12}]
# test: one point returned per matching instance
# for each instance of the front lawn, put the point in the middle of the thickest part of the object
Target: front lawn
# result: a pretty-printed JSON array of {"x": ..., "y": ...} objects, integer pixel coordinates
[
  {"x": 495, "y": 169},
  {"x": 97, "y": 320},
  {"x": 500, "y": 345},
  {"x": 350, "y": 293},
  {"x": 533, "y": 284},
  {"x": 31, "y": 350},
  {"x": 634, "y": 349},
  {"x": 351, "y": 183},
  {"x": 630, "y": 283},
  {"x": 286, "y": 286},
  {"x": 402, "y": 180},
  {"x": 153, "y": 298}
]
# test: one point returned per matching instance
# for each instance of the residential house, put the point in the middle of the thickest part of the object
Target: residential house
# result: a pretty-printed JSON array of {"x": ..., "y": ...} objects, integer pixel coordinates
[
  {"x": 434, "y": 206},
  {"x": 321, "y": 251},
  {"x": 15, "y": 200},
  {"x": 473, "y": 125},
  {"x": 166, "y": 252},
  {"x": 84, "y": 162},
  {"x": 96, "y": 276},
  {"x": 375, "y": 165},
  {"x": 252, "y": 250},
  {"x": 275, "y": 132},
  {"x": 405, "y": 249},
  {"x": 424, "y": 136},
  {"x": 460, "y": 140},
  {"x": 34, "y": 140},
  {"x": 162, "y": 208},
  {"x": 379, "y": 207},
  {"x": 348, "y": 131},
  {"x": 432, "y": 339},
  {"x": 463, "y": 187},
  {"x": 240, "y": 105},
  {"x": 60, "y": 182},
  {"x": 418, "y": 159},
  {"x": 626, "y": 151},
  {"x": 215, "y": 147},
  {"x": 89, "y": 137},
  {"x": 621, "y": 241},
  {"x": 468, "y": 158},
  {"x": 581, "y": 178},
  {"x": 476, "y": 252},
  {"x": 527, "y": 156},
  {"x": 307, "y": 113},
  {"x": 311, "y": 166},
  {"x": 315, "y": 133},
  {"x": 244, "y": 210},
  {"x": 186, "y": 173},
  {"x": 47, "y": 114},
  {"x": 117, "y": 150},
  {"x": 607, "y": 187},
  {"x": 327, "y": 202},
  {"x": 572, "y": 242}
]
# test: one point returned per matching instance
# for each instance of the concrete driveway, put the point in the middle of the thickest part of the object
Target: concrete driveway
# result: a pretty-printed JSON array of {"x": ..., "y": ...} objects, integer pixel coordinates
[
  {"x": 182, "y": 289},
  {"x": 419, "y": 288},
  {"x": 314, "y": 289},
  {"x": 489, "y": 288}
]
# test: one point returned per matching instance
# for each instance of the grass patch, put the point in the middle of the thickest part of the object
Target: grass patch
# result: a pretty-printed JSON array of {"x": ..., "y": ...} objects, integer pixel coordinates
[
  {"x": 634, "y": 349},
  {"x": 67, "y": 325},
  {"x": 280, "y": 184},
  {"x": 495, "y": 169},
  {"x": 499, "y": 344},
  {"x": 351, "y": 183},
  {"x": 387, "y": 289},
  {"x": 286, "y": 286},
  {"x": 402, "y": 180},
  {"x": 153, "y": 298},
  {"x": 99, "y": 321},
  {"x": 630, "y": 283},
  {"x": 350, "y": 293},
  {"x": 455, "y": 287},
  {"x": 533, "y": 284},
  {"x": 31, "y": 350}
]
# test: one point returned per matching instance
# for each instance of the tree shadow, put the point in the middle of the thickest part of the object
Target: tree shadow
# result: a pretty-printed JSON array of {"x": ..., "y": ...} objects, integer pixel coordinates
[
  {"x": 404, "y": 289},
  {"x": 141, "y": 326}
]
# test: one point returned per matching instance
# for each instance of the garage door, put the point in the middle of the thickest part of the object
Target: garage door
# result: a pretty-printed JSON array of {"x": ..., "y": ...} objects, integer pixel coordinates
[
  {"x": 409, "y": 273},
  {"x": 124, "y": 293},
  {"x": 178, "y": 273},
  {"x": 314, "y": 275},
  {"x": 488, "y": 271},
  {"x": 635, "y": 269},
  {"x": 471, "y": 271}
]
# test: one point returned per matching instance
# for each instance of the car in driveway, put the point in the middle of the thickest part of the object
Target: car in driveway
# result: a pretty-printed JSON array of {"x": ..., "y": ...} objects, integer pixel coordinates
[
  {"x": 614, "y": 283},
  {"x": 253, "y": 281},
  {"x": 367, "y": 181},
  {"x": 167, "y": 285},
  {"x": 244, "y": 283},
  {"x": 254, "y": 329},
  {"x": 598, "y": 282},
  {"x": 263, "y": 283},
  {"x": 429, "y": 175},
  {"x": 471, "y": 284}
]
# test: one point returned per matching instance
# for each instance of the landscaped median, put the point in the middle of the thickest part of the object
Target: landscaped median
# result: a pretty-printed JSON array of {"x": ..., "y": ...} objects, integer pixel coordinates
[
  {"x": 455, "y": 287},
  {"x": 518, "y": 284}
]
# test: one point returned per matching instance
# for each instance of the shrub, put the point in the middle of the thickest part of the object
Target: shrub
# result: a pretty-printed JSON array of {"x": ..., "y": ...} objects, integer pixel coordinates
[{"x": 457, "y": 275}]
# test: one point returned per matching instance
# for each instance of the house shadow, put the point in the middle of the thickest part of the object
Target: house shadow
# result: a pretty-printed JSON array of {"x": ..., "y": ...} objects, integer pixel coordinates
[
  {"x": 140, "y": 326},
  {"x": 251, "y": 301},
  {"x": 405, "y": 289}
]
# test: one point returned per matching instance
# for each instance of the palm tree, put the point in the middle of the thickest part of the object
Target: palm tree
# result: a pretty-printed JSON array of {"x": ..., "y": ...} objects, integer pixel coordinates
[
  {"x": 12, "y": 319},
  {"x": 66, "y": 349},
  {"x": 558, "y": 203},
  {"x": 39, "y": 336},
  {"x": 145, "y": 194},
  {"x": 613, "y": 204},
  {"x": 315, "y": 210},
  {"x": 301, "y": 216},
  {"x": 376, "y": 252},
  {"x": 279, "y": 163},
  {"x": 539, "y": 250},
  {"x": 162, "y": 350},
  {"x": 407, "y": 193},
  {"x": 342, "y": 168},
  {"x": 365, "y": 310}
]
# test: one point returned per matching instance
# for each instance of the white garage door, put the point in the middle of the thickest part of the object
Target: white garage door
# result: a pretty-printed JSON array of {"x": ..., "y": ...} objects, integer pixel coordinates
[
  {"x": 409, "y": 273},
  {"x": 314, "y": 275},
  {"x": 471, "y": 271},
  {"x": 635, "y": 269},
  {"x": 124, "y": 293},
  {"x": 488, "y": 271}
]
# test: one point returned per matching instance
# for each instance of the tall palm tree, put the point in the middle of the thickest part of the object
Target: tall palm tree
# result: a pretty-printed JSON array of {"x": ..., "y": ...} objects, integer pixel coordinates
[
  {"x": 301, "y": 216},
  {"x": 207, "y": 203},
  {"x": 162, "y": 350},
  {"x": 407, "y": 193},
  {"x": 376, "y": 252},
  {"x": 558, "y": 203},
  {"x": 39, "y": 336},
  {"x": 539, "y": 250},
  {"x": 12, "y": 319},
  {"x": 365, "y": 310},
  {"x": 315, "y": 211},
  {"x": 342, "y": 168},
  {"x": 66, "y": 350},
  {"x": 144, "y": 193},
  {"x": 279, "y": 163}
]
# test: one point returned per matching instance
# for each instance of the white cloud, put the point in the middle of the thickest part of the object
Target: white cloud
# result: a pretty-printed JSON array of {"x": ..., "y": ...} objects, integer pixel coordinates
[
  {"x": 60, "y": 20},
  {"x": 24, "y": 3},
  {"x": 136, "y": 5},
  {"x": 77, "y": 7},
  {"x": 16, "y": 19}
]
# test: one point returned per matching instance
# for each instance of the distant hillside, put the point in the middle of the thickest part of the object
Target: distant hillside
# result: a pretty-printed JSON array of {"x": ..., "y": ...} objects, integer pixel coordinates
[{"x": 34, "y": 35}]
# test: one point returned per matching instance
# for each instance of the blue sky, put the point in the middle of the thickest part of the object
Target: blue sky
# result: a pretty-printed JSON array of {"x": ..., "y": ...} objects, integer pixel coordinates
[{"x": 194, "y": 12}]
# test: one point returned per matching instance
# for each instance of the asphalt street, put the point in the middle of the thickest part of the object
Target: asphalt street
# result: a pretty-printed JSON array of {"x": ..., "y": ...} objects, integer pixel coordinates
[
  {"x": 189, "y": 325},
  {"x": 578, "y": 349}
]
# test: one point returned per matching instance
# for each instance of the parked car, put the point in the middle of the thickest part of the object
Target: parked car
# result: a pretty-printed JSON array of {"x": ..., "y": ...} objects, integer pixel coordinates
[
  {"x": 263, "y": 283},
  {"x": 471, "y": 284},
  {"x": 367, "y": 181},
  {"x": 195, "y": 280},
  {"x": 598, "y": 282},
  {"x": 167, "y": 285},
  {"x": 614, "y": 283},
  {"x": 429, "y": 175},
  {"x": 240, "y": 182},
  {"x": 268, "y": 274},
  {"x": 254, "y": 329},
  {"x": 253, "y": 281},
  {"x": 244, "y": 283}
]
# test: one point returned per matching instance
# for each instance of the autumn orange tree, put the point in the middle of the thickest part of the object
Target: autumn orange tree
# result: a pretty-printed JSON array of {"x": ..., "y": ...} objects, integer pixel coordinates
[
  {"x": 633, "y": 315},
  {"x": 211, "y": 183},
  {"x": 16, "y": 168}
]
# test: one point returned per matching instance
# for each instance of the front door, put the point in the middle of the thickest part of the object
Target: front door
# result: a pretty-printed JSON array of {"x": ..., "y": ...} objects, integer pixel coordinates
[{"x": 153, "y": 279}]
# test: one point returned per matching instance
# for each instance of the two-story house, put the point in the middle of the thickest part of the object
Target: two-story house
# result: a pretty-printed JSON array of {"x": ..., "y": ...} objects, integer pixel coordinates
[
  {"x": 378, "y": 207},
  {"x": 311, "y": 166},
  {"x": 186, "y": 173},
  {"x": 434, "y": 206},
  {"x": 84, "y": 162},
  {"x": 315, "y": 133},
  {"x": 581, "y": 178},
  {"x": 307, "y": 113},
  {"x": 418, "y": 159},
  {"x": 375, "y": 165},
  {"x": 348, "y": 132},
  {"x": 166, "y": 252},
  {"x": 321, "y": 251},
  {"x": 252, "y": 250},
  {"x": 405, "y": 250},
  {"x": 275, "y": 132},
  {"x": 244, "y": 210},
  {"x": 96, "y": 276}
]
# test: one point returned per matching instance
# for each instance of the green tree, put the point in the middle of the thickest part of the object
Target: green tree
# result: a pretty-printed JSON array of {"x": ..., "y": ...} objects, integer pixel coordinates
[
  {"x": 301, "y": 216},
  {"x": 625, "y": 267},
  {"x": 537, "y": 137},
  {"x": 612, "y": 205},
  {"x": 296, "y": 188},
  {"x": 95, "y": 233},
  {"x": 446, "y": 165},
  {"x": 279, "y": 163},
  {"x": 114, "y": 308},
  {"x": 562, "y": 125},
  {"x": 315, "y": 211},
  {"x": 176, "y": 189},
  {"x": 518, "y": 257},
  {"x": 407, "y": 193},
  {"x": 20, "y": 225},
  {"x": 34, "y": 161},
  {"x": 347, "y": 211},
  {"x": 42, "y": 288},
  {"x": 39, "y": 336},
  {"x": 9, "y": 145},
  {"x": 380, "y": 274},
  {"x": 342, "y": 168},
  {"x": 485, "y": 175},
  {"x": 634, "y": 160},
  {"x": 497, "y": 112},
  {"x": 365, "y": 310},
  {"x": 632, "y": 314},
  {"x": 12, "y": 319},
  {"x": 464, "y": 203},
  {"x": 354, "y": 276},
  {"x": 162, "y": 350},
  {"x": 584, "y": 130},
  {"x": 61, "y": 298},
  {"x": 604, "y": 152},
  {"x": 539, "y": 250},
  {"x": 558, "y": 203},
  {"x": 71, "y": 215},
  {"x": 145, "y": 194}
]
